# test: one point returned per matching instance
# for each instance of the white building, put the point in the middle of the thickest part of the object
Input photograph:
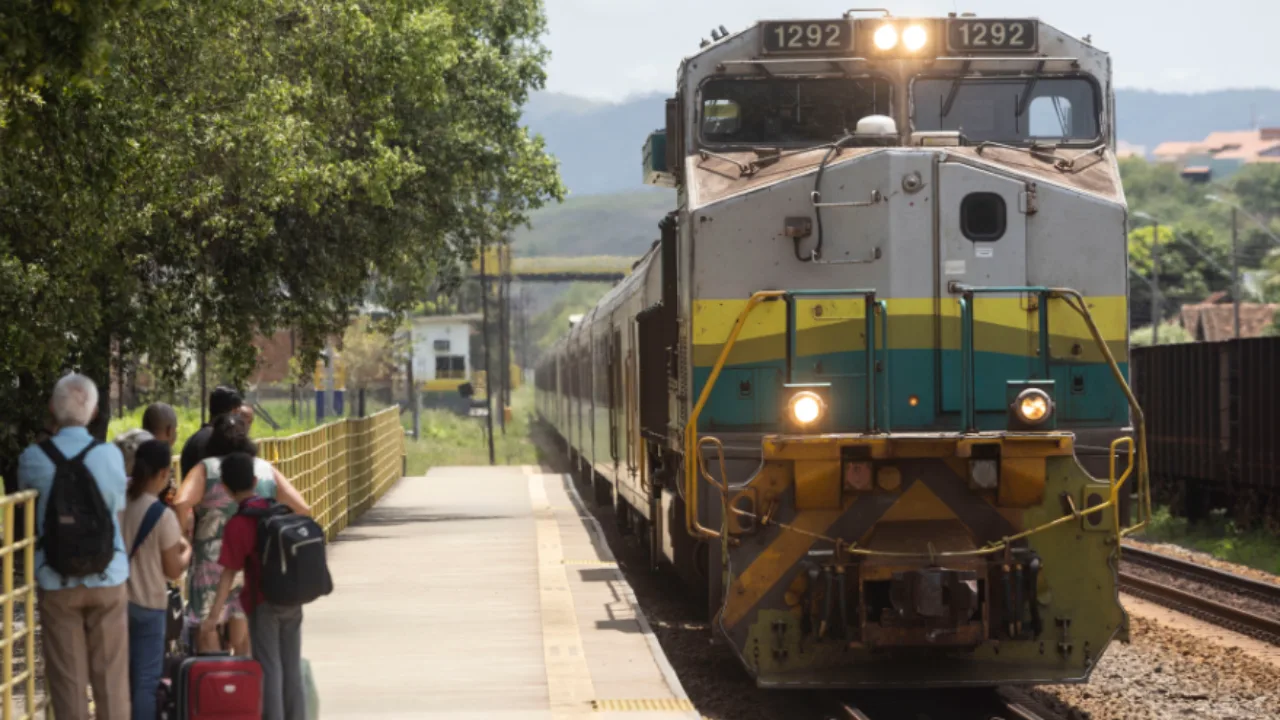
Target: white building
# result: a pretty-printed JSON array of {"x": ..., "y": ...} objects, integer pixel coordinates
[{"x": 442, "y": 350}]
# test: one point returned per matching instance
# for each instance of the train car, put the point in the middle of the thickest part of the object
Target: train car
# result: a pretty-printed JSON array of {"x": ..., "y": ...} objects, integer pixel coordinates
[
  {"x": 867, "y": 393},
  {"x": 1210, "y": 408}
]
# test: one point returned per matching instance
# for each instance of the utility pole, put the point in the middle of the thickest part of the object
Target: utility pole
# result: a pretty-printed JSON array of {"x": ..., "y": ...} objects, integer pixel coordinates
[
  {"x": 329, "y": 386},
  {"x": 524, "y": 328},
  {"x": 1155, "y": 283},
  {"x": 502, "y": 338},
  {"x": 1235, "y": 272},
  {"x": 484, "y": 332},
  {"x": 415, "y": 400},
  {"x": 204, "y": 394}
]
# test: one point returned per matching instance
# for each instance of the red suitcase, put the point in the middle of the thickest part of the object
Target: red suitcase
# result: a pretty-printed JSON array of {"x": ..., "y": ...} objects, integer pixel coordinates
[{"x": 218, "y": 687}]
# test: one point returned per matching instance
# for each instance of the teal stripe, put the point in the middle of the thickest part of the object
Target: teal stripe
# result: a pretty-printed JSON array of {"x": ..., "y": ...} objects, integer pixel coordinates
[{"x": 749, "y": 397}]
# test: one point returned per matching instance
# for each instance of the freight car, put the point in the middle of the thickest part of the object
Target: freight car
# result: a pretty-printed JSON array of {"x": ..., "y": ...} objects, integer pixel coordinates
[
  {"x": 867, "y": 391},
  {"x": 1212, "y": 412}
]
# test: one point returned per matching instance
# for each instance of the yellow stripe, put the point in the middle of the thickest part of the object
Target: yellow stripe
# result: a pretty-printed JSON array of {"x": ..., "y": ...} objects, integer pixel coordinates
[
  {"x": 712, "y": 319},
  {"x": 781, "y": 555},
  {"x": 643, "y": 705},
  {"x": 1007, "y": 323},
  {"x": 569, "y": 684}
]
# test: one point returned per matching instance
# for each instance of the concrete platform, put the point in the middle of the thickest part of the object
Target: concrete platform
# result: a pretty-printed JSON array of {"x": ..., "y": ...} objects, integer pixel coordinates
[{"x": 483, "y": 593}]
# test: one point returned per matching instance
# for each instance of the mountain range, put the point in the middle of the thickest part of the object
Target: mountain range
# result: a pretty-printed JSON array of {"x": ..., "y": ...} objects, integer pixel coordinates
[{"x": 599, "y": 143}]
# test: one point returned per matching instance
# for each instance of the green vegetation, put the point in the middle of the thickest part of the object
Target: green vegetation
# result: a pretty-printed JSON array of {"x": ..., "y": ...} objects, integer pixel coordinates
[
  {"x": 235, "y": 166},
  {"x": 1220, "y": 537},
  {"x": 623, "y": 224},
  {"x": 450, "y": 440},
  {"x": 588, "y": 263},
  {"x": 1195, "y": 233},
  {"x": 549, "y": 325},
  {"x": 1170, "y": 333}
]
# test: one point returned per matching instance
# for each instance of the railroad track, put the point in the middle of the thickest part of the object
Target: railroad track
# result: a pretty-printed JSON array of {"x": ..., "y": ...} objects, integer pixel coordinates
[
  {"x": 1233, "y": 618},
  {"x": 968, "y": 704}
]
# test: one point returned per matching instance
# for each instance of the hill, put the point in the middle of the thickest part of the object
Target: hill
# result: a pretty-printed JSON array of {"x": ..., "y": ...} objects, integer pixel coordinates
[
  {"x": 1149, "y": 118},
  {"x": 617, "y": 224},
  {"x": 599, "y": 143}
]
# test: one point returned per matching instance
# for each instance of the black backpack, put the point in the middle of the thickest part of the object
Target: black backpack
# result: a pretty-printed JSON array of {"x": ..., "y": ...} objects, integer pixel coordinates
[
  {"x": 79, "y": 537},
  {"x": 294, "y": 568}
]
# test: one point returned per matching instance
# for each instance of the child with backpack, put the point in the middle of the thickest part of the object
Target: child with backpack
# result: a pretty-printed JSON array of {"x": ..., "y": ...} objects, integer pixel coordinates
[
  {"x": 157, "y": 551},
  {"x": 283, "y": 560}
]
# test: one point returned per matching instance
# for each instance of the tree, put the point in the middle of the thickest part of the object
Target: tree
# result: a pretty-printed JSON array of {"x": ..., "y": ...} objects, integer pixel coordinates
[
  {"x": 1258, "y": 187},
  {"x": 245, "y": 165},
  {"x": 369, "y": 355},
  {"x": 1192, "y": 263},
  {"x": 62, "y": 39}
]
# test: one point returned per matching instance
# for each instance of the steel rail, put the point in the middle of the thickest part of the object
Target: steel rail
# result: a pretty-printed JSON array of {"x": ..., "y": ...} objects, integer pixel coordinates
[
  {"x": 1265, "y": 591},
  {"x": 1232, "y": 618}
]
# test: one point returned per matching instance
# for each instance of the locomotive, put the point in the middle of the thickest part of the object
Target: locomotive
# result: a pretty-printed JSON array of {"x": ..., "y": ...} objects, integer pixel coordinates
[{"x": 868, "y": 391}]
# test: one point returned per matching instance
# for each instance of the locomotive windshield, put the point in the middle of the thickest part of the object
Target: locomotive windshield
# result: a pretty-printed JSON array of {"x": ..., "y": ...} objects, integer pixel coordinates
[
  {"x": 782, "y": 111},
  {"x": 1008, "y": 110}
]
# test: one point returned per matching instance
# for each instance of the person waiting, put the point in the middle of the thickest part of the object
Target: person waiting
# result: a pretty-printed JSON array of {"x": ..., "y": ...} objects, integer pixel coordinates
[
  {"x": 157, "y": 552},
  {"x": 222, "y": 400},
  {"x": 81, "y": 564},
  {"x": 204, "y": 502}
]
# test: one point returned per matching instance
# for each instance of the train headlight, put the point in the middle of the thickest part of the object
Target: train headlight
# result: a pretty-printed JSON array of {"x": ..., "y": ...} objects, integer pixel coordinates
[
  {"x": 1033, "y": 406},
  {"x": 886, "y": 38},
  {"x": 806, "y": 408},
  {"x": 914, "y": 37}
]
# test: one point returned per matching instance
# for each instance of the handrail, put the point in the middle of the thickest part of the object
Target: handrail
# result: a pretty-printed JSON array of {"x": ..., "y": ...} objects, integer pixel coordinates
[
  {"x": 968, "y": 360},
  {"x": 883, "y": 307},
  {"x": 1117, "y": 484},
  {"x": 24, "y": 594},
  {"x": 1076, "y": 302},
  {"x": 869, "y": 297},
  {"x": 694, "y": 527},
  {"x": 691, "y": 445}
]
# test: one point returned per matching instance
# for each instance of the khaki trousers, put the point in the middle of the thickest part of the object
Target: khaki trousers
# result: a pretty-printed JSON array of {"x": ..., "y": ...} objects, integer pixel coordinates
[{"x": 86, "y": 642}]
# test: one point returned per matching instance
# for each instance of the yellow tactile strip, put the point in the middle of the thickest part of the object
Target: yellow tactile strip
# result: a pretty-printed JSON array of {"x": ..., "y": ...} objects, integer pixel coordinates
[
  {"x": 643, "y": 705},
  {"x": 569, "y": 685}
]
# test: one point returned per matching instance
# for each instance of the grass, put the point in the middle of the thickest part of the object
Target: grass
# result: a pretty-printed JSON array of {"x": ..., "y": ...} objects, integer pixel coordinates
[
  {"x": 450, "y": 440},
  {"x": 1219, "y": 536}
]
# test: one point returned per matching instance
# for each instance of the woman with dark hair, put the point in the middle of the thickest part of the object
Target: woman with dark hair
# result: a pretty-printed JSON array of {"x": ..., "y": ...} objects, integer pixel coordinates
[
  {"x": 157, "y": 552},
  {"x": 205, "y": 499}
]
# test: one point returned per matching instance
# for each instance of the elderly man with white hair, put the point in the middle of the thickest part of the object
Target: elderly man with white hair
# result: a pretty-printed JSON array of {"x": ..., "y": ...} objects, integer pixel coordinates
[{"x": 81, "y": 585}]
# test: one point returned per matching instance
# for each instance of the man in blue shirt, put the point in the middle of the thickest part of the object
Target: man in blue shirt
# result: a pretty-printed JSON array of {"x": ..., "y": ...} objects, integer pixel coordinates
[{"x": 83, "y": 620}]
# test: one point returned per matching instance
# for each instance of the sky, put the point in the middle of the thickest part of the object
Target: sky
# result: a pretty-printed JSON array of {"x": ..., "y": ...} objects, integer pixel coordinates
[{"x": 614, "y": 49}]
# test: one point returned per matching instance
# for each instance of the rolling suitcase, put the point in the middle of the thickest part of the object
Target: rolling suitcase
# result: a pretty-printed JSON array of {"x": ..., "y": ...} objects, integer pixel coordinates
[{"x": 218, "y": 687}]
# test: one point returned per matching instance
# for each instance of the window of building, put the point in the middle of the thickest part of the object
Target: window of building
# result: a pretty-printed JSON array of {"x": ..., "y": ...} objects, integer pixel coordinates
[{"x": 451, "y": 367}]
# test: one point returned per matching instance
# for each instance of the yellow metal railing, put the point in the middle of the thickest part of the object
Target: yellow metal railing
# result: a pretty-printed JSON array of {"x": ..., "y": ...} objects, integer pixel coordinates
[
  {"x": 341, "y": 469},
  {"x": 18, "y": 662},
  {"x": 1072, "y": 298}
]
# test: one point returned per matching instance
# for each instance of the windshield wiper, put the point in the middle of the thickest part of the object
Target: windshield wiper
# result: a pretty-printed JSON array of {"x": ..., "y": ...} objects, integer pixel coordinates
[
  {"x": 954, "y": 89},
  {"x": 1025, "y": 103}
]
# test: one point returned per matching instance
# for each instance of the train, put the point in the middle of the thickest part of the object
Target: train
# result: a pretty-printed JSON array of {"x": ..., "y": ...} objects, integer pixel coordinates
[
  {"x": 1211, "y": 408},
  {"x": 867, "y": 392}
]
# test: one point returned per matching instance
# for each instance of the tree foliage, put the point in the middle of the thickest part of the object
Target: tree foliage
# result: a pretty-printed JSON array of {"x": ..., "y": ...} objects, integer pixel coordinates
[
  {"x": 244, "y": 165},
  {"x": 1195, "y": 233}
]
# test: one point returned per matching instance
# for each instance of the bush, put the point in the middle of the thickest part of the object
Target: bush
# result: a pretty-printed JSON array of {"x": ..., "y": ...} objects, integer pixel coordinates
[{"x": 1171, "y": 333}]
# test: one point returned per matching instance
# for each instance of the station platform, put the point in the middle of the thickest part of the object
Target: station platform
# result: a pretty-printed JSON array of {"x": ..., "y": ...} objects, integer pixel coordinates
[{"x": 483, "y": 593}]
